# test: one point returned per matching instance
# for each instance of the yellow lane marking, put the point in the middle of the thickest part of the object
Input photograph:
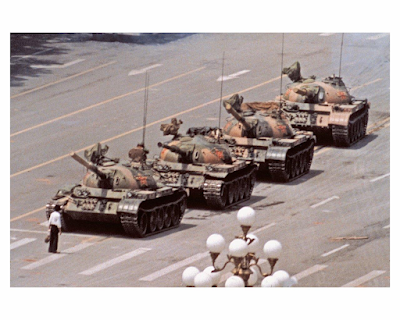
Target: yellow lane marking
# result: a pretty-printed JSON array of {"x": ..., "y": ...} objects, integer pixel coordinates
[
  {"x": 148, "y": 125},
  {"x": 365, "y": 84},
  {"x": 104, "y": 102},
  {"x": 61, "y": 80},
  {"x": 28, "y": 213}
]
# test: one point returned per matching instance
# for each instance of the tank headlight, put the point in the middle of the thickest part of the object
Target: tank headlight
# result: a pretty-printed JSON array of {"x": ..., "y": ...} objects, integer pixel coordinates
[
  {"x": 321, "y": 96},
  {"x": 129, "y": 194}
]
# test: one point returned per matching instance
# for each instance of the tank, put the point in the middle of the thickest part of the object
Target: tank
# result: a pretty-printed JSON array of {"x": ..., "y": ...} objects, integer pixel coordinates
[
  {"x": 324, "y": 107},
  {"x": 260, "y": 131},
  {"x": 204, "y": 166},
  {"x": 114, "y": 191}
]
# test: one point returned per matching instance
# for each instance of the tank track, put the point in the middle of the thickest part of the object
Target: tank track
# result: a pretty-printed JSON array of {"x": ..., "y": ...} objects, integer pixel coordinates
[
  {"x": 345, "y": 136},
  {"x": 222, "y": 194},
  {"x": 155, "y": 218},
  {"x": 296, "y": 164}
]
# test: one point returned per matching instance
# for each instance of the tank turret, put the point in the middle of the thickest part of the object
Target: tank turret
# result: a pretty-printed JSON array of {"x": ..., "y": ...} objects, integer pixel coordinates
[
  {"x": 256, "y": 120},
  {"x": 325, "y": 107},
  {"x": 117, "y": 192}
]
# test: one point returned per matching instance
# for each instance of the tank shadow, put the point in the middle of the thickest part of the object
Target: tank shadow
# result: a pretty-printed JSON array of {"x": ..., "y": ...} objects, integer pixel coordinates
[
  {"x": 326, "y": 142},
  {"x": 116, "y": 230},
  {"x": 363, "y": 142},
  {"x": 200, "y": 204},
  {"x": 311, "y": 174}
]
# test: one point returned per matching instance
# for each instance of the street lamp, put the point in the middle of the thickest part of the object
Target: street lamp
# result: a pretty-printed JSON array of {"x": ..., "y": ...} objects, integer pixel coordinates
[{"x": 242, "y": 253}]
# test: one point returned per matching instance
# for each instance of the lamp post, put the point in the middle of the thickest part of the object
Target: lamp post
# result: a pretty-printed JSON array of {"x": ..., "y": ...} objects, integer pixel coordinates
[{"x": 242, "y": 253}]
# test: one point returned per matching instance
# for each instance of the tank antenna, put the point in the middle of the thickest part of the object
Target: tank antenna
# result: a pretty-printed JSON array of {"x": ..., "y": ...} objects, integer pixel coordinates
[
  {"x": 220, "y": 99},
  {"x": 280, "y": 96},
  {"x": 340, "y": 63},
  {"x": 146, "y": 98}
]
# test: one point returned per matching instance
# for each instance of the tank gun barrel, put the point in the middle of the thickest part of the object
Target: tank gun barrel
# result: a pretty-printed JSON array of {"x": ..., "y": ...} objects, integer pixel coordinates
[
  {"x": 237, "y": 116},
  {"x": 89, "y": 166},
  {"x": 174, "y": 149}
]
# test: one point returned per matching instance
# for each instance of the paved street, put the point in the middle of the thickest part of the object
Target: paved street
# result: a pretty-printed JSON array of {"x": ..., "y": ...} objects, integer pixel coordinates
[{"x": 70, "y": 92}]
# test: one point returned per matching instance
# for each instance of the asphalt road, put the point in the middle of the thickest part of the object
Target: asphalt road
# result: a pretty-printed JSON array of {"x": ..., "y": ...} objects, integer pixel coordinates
[{"x": 68, "y": 93}]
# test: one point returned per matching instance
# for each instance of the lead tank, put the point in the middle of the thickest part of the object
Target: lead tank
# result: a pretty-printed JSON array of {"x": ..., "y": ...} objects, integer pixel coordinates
[
  {"x": 260, "y": 132},
  {"x": 325, "y": 107},
  {"x": 115, "y": 192},
  {"x": 204, "y": 166}
]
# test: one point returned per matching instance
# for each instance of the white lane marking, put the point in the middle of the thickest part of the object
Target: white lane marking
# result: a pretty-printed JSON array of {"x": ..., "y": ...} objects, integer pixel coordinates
[
  {"x": 363, "y": 279},
  {"x": 115, "y": 261},
  {"x": 45, "y": 223},
  {"x": 232, "y": 76},
  {"x": 139, "y": 71},
  {"x": 334, "y": 250},
  {"x": 326, "y": 34},
  {"x": 55, "y": 257},
  {"x": 57, "y": 66},
  {"x": 175, "y": 266},
  {"x": 380, "y": 177},
  {"x": 263, "y": 228},
  {"x": 21, "y": 242},
  {"x": 46, "y": 232},
  {"x": 323, "y": 202},
  {"x": 379, "y": 36},
  {"x": 386, "y": 227},
  {"x": 28, "y": 56},
  {"x": 365, "y": 84},
  {"x": 310, "y": 271}
]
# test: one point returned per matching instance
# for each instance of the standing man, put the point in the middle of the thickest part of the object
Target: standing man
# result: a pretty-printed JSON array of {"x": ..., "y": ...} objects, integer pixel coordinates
[{"x": 54, "y": 228}]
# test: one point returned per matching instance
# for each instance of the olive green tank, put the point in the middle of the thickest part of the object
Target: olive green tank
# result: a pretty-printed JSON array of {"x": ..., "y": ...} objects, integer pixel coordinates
[
  {"x": 260, "y": 132},
  {"x": 324, "y": 107},
  {"x": 115, "y": 192},
  {"x": 204, "y": 166}
]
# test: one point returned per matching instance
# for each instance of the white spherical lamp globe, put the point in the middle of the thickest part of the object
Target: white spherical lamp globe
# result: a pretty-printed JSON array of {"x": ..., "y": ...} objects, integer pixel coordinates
[
  {"x": 188, "y": 276},
  {"x": 202, "y": 279},
  {"x": 246, "y": 216},
  {"x": 273, "y": 249},
  {"x": 282, "y": 276},
  {"x": 238, "y": 248},
  {"x": 254, "y": 244},
  {"x": 215, "y": 243},
  {"x": 253, "y": 277},
  {"x": 270, "y": 282},
  {"x": 234, "y": 281},
  {"x": 215, "y": 276}
]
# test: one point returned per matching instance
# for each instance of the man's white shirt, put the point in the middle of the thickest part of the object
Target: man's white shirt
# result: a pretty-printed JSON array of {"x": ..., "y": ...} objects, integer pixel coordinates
[{"x": 55, "y": 218}]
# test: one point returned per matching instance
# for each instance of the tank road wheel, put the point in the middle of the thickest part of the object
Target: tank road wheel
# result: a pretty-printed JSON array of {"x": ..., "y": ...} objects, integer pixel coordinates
[
  {"x": 168, "y": 216},
  {"x": 223, "y": 196},
  {"x": 153, "y": 217},
  {"x": 175, "y": 215},
  {"x": 236, "y": 191},
  {"x": 247, "y": 187},
  {"x": 298, "y": 164},
  {"x": 231, "y": 193},
  {"x": 142, "y": 222},
  {"x": 160, "y": 212},
  {"x": 252, "y": 182},
  {"x": 242, "y": 188},
  {"x": 292, "y": 168}
]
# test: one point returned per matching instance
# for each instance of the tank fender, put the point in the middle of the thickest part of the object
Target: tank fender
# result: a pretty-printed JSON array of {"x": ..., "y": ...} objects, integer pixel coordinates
[
  {"x": 339, "y": 118},
  {"x": 129, "y": 206},
  {"x": 277, "y": 153}
]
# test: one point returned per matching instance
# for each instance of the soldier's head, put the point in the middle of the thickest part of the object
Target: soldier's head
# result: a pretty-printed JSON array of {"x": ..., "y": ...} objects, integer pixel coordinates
[{"x": 57, "y": 207}]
